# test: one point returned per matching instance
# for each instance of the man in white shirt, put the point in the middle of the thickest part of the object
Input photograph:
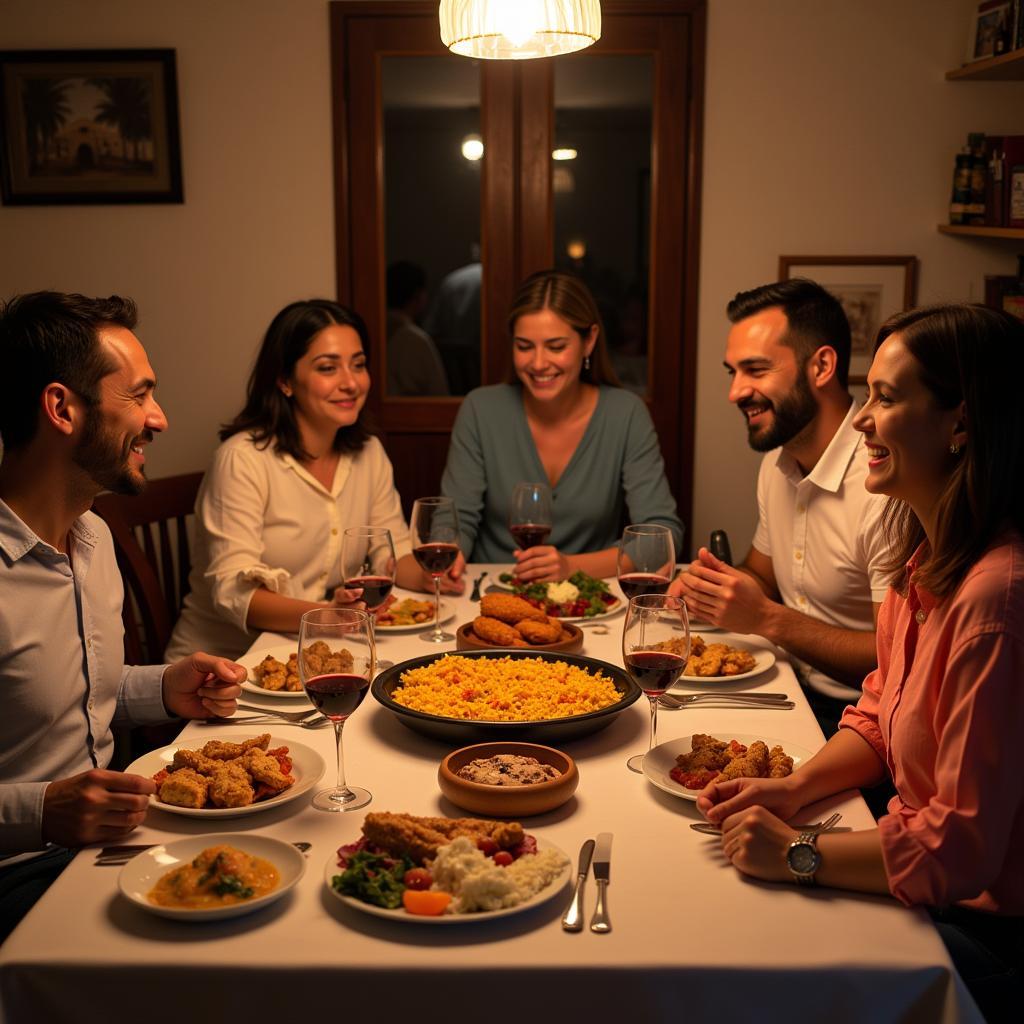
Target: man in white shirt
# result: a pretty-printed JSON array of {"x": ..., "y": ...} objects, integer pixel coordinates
[
  {"x": 76, "y": 413},
  {"x": 813, "y": 580}
]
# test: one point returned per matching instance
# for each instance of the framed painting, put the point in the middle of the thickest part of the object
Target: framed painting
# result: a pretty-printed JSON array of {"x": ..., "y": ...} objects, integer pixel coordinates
[
  {"x": 89, "y": 126},
  {"x": 870, "y": 288}
]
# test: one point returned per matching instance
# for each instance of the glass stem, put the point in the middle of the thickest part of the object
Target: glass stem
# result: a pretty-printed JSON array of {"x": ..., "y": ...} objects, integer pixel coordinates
[
  {"x": 437, "y": 606},
  {"x": 343, "y": 790},
  {"x": 654, "y": 723}
]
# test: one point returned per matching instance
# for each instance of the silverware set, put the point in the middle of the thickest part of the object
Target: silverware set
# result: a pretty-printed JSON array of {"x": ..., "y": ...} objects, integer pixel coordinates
[
  {"x": 118, "y": 856},
  {"x": 726, "y": 699},
  {"x": 308, "y": 719},
  {"x": 600, "y": 851},
  {"x": 828, "y": 825}
]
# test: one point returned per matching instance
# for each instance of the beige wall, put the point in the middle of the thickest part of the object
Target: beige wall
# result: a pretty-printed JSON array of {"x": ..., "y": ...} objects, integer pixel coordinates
[{"x": 829, "y": 129}]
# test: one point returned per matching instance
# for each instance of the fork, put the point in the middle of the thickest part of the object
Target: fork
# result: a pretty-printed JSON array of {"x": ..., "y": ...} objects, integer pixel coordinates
[
  {"x": 828, "y": 825},
  {"x": 288, "y": 716},
  {"x": 309, "y": 723},
  {"x": 117, "y": 856},
  {"x": 769, "y": 702}
]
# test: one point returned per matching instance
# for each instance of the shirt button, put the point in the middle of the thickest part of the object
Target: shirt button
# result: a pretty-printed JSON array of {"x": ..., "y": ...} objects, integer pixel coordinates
[
  {"x": 334, "y": 531},
  {"x": 92, "y": 704},
  {"x": 801, "y": 601},
  {"x": 798, "y": 555}
]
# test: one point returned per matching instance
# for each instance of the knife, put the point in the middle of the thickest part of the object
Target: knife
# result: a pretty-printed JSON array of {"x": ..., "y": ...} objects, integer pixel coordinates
[
  {"x": 573, "y": 919},
  {"x": 600, "y": 922}
]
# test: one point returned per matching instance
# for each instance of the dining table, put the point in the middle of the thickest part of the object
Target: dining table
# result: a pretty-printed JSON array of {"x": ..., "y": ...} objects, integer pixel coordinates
[{"x": 692, "y": 938}]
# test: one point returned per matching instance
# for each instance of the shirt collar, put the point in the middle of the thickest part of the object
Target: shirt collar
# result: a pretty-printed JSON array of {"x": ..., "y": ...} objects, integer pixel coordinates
[
  {"x": 17, "y": 540},
  {"x": 830, "y": 470}
]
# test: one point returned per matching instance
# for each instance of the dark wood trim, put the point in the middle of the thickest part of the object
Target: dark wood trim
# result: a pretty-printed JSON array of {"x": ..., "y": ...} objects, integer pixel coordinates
[{"x": 536, "y": 222}]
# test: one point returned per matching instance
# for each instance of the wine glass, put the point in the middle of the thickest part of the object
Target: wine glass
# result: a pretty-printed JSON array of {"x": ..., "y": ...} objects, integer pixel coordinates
[
  {"x": 529, "y": 514},
  {"x": 653, "y": 652},
  {"x": 646, "y": 559},
  {"x": 368, "y": 564},
  {"x": 336, "y": 664},
  {"x": 435, "y": 546}
]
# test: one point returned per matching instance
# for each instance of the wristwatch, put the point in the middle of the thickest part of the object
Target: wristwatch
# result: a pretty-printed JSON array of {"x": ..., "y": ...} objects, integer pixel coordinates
[{"x": 803, "y": 858}]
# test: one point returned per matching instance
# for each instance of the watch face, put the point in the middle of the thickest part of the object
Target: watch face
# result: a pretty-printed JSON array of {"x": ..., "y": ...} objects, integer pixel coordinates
[{"x": 804, "y": 859}]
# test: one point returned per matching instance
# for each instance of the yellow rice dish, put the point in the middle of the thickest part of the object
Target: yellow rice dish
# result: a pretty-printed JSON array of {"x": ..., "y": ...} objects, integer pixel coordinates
[{"x": 504, "y": 689}]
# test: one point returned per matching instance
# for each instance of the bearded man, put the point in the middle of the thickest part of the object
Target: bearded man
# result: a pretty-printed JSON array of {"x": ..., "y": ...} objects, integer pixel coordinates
[
  {"x": 77, "y": 411},
  {"x": 811, "y": 582}
]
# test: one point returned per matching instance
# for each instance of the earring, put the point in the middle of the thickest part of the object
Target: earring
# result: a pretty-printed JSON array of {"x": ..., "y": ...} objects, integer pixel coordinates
[
  {"x": 586, "y": 362},
  {"x": 954, "y": 449}
]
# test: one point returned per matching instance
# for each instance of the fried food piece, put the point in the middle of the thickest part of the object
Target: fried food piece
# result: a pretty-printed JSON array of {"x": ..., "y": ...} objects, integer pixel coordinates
[
  {"x": 736, "y": 662},
  {"x": 321, "y": 660},
  {"x": 419, "y": 838},
  {"x": 494, "y": 631},
  {"x": 266, "y": 769},
  {"x": 220, "y": 751},
  {"x": 751, "y": 765},
  {"x": 780, "y": 764},
  {"x": 231, "y": 786},
  {"x": 195, "y": 760},
  {"x": 269, "y": 673},
  {"x": 716, "y": 660},
  {"x": 509, "y": 608},
  {"x": 539, "y": 632},
  {"x": 184, "y": 788},
  {"x": 706, "y": 754}
]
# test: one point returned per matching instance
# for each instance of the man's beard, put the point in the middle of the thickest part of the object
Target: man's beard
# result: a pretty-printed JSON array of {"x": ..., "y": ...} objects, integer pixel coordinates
[
  {"x": 789, "y": 417},
  {"x": 105, "y": 458}
]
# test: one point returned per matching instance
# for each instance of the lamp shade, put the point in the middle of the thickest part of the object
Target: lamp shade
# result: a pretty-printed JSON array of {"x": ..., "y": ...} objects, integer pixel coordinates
[{"x": 518, "y": 29}]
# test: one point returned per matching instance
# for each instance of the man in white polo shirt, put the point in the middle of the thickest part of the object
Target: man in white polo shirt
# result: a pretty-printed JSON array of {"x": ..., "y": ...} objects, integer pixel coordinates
[{"x": 812, "y": 581}]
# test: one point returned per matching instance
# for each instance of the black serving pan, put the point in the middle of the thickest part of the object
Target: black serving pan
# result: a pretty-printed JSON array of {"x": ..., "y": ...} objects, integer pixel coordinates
[{"x": 462, "y": 732}]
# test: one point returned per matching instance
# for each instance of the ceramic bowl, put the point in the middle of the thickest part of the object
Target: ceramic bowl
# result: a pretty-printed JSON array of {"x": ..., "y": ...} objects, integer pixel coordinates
[
  {"x": 467, "y": 640},
  {"x": 508, "y": 801}
]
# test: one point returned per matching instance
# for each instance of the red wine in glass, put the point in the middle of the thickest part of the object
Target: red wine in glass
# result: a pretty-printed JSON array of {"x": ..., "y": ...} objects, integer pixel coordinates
[
  {"x": 375, "y": 589},
  {"x": 634, "y": 583},
  {"x": 655, "y": 671},
  {"x": 337, "y": 695},
  {"x": 436, "y": 558},
  {"x": 529, "y": 535}
]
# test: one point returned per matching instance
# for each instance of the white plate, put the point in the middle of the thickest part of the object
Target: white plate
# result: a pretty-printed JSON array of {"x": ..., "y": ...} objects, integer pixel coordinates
[
  {"x": 662, "y": 759},
  {"x": 251, "y": 659},
  {"x": 613, "y": 609},
  {"x": 142, "y": 872},
  {"x": 400, "y": 914},
  {"x": 307, "y": 767},
  {"x": 763, "y": 660},
  {"x": 700, "y": 626},
  {"x": 447, "y": 612}
]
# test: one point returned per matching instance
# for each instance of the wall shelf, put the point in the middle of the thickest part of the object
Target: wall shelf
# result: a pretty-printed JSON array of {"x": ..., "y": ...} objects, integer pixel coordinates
[
  {"x": 1007, "y": 67},
  {"x": 980, "y": 231}
]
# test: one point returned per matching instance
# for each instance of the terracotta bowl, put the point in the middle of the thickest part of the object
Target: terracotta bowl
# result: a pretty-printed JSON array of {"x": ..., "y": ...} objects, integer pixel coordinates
[
  {"x": 508, "y": 801},
  {"x": 467, "y": 640}
]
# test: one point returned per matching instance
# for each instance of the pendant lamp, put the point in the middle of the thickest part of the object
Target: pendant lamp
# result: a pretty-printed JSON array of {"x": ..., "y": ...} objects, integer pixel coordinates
[{"x": 518, "y": 29}]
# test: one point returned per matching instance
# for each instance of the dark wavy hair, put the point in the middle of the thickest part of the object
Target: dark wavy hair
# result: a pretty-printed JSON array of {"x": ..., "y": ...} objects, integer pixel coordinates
[
  {"x": 815, "y": 318},
  {"x": 568, "y": 297},
  {"x": 974, "y": 355},
  {"x": 47, "y": 337},
  {"x": 268, "y": 415}
]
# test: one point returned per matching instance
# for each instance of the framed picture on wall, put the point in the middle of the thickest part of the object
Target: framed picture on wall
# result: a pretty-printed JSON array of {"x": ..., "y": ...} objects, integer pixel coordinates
[
  {"x": 990, "y": 29},
  {"x": 89, "y": 126},
  {"x": 870, "y": 288}
]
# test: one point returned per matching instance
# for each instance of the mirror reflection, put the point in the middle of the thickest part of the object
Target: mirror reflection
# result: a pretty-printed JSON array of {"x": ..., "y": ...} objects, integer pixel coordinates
[{"x": 433, "y": 156}]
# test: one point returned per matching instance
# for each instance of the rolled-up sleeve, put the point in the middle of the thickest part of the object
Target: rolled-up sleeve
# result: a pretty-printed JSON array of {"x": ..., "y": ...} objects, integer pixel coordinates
[{"x": 954, "y": 848}]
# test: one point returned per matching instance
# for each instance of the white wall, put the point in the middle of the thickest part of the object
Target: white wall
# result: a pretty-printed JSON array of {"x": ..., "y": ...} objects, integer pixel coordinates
[{"x": 828, "y": 130}]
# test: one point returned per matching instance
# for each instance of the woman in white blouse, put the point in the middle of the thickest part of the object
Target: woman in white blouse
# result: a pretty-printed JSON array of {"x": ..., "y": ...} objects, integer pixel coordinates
[{"x": 297, "y": 465}]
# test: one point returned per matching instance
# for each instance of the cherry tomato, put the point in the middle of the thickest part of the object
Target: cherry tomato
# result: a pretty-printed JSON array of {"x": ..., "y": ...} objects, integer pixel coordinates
[
  {"x": 488, "y": 847},
  {"x": 502, "y": 858},
  {"x": 417, "y": 879}
]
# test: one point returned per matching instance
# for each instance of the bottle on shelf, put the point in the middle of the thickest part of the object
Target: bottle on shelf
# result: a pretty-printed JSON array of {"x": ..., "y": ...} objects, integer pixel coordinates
[
  {"x": 975, "y": 212},
  {"x": 961, "y": 188}
]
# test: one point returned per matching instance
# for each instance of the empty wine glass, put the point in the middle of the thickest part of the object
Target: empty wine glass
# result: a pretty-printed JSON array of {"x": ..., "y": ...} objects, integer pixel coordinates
[
  {"x": 646, "y": 559},
  {"x": 336, "y": 664},
  {"x": 653, "y": 652},
  {"x": 368, "y": 564},
  {"x": 435, "y": 546},
  {"x": 529, "y": 514}
]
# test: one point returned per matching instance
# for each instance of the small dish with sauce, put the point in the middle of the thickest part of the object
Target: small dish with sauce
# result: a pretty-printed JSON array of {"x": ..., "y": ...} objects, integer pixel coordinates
[
  {"x": 508, "y": 801},
  {"x": 142, "y": 875}
]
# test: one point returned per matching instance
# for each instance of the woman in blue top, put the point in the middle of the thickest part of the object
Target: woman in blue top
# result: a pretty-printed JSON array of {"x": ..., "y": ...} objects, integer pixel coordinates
[{"x": 561, "y": 419}]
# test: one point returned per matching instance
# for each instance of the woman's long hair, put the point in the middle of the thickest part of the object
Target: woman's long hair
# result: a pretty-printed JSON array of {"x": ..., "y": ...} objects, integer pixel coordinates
[
  {"x": 974, "y": 355},
  {"x": 268, "y": 415},
  {"x": 568, "y": 297}
]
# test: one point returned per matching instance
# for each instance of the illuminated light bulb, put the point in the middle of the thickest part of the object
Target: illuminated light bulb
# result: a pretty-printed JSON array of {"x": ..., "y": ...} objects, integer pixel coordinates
[
  {"x": 564, "y": 153},
  {"x": 576, "y": 249},
  {"x": 473, "y": 147},
  {"x": 518, "y": 20}
]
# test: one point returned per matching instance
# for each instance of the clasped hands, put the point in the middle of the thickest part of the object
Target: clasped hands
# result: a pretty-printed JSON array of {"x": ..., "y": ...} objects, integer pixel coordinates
[{"x": 721, "y": 594}]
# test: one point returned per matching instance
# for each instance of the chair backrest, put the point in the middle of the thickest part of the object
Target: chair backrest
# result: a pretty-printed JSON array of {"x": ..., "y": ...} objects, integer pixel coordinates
[{"x": 151, "y": 542}]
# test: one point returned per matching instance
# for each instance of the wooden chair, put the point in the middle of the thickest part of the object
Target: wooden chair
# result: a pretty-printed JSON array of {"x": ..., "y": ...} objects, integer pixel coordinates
[{"x": 151, "y": 543}]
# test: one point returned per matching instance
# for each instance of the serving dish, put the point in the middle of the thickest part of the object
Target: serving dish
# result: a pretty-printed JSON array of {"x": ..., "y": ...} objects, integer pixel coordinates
[
  {"x": 508, "y": 801},
  {"x": 143, "y": 871},
  {"x": 462, "y": 731},
  {"x": 467, "y": 640},
  {"x": 307, "y": 767},
  {"x": 660, "y": 760}
]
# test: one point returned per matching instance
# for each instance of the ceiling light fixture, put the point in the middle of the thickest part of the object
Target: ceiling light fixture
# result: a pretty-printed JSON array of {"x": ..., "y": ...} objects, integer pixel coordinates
[
  {"x": 473, "y": 147},
  {"x": 518, "y": 29},
  {"x": 564, "y": 153}
]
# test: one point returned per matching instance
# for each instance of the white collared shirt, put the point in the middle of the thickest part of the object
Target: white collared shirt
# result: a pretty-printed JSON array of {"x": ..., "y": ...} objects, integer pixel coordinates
[
  {"x": 63, "y": 681},
  {"x": 262, "y": 520},
  {"x": 823, "y": 534}
]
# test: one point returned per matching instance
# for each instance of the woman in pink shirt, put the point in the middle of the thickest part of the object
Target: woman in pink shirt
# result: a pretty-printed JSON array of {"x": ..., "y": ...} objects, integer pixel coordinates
[{"x": 943, "y": 714}]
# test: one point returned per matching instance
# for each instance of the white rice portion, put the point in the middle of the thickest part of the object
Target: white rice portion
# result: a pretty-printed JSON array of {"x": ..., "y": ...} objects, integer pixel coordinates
[{"x": 477, "y": 883}]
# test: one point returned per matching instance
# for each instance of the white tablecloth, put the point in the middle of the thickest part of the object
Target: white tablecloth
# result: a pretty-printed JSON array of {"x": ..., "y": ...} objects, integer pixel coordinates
[{"x": 691, "y": 938}]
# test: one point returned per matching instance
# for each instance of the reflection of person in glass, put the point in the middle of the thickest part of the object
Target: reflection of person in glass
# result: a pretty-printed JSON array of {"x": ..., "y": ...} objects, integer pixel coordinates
[
  {"x": 454, "y": 324},
  {"x": 414, "y": 364},
  {"x": 561, "y": 418},
  {"x": 297, "y": 465}
]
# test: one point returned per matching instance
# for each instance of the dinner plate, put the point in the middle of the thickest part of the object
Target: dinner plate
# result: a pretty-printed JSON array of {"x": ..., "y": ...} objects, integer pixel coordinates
[
  {"x": 612, "y": 609},
  {"x": 251, "y": 659},
  {"x": 763, "y": 660},
  {"x": 447, "y": 612},
  {"x": 400, "y": 914},
  {"x": 660, "y": 760},
  {"x": 307, "y": 767},
  {"x": 143, "y": 871}
]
